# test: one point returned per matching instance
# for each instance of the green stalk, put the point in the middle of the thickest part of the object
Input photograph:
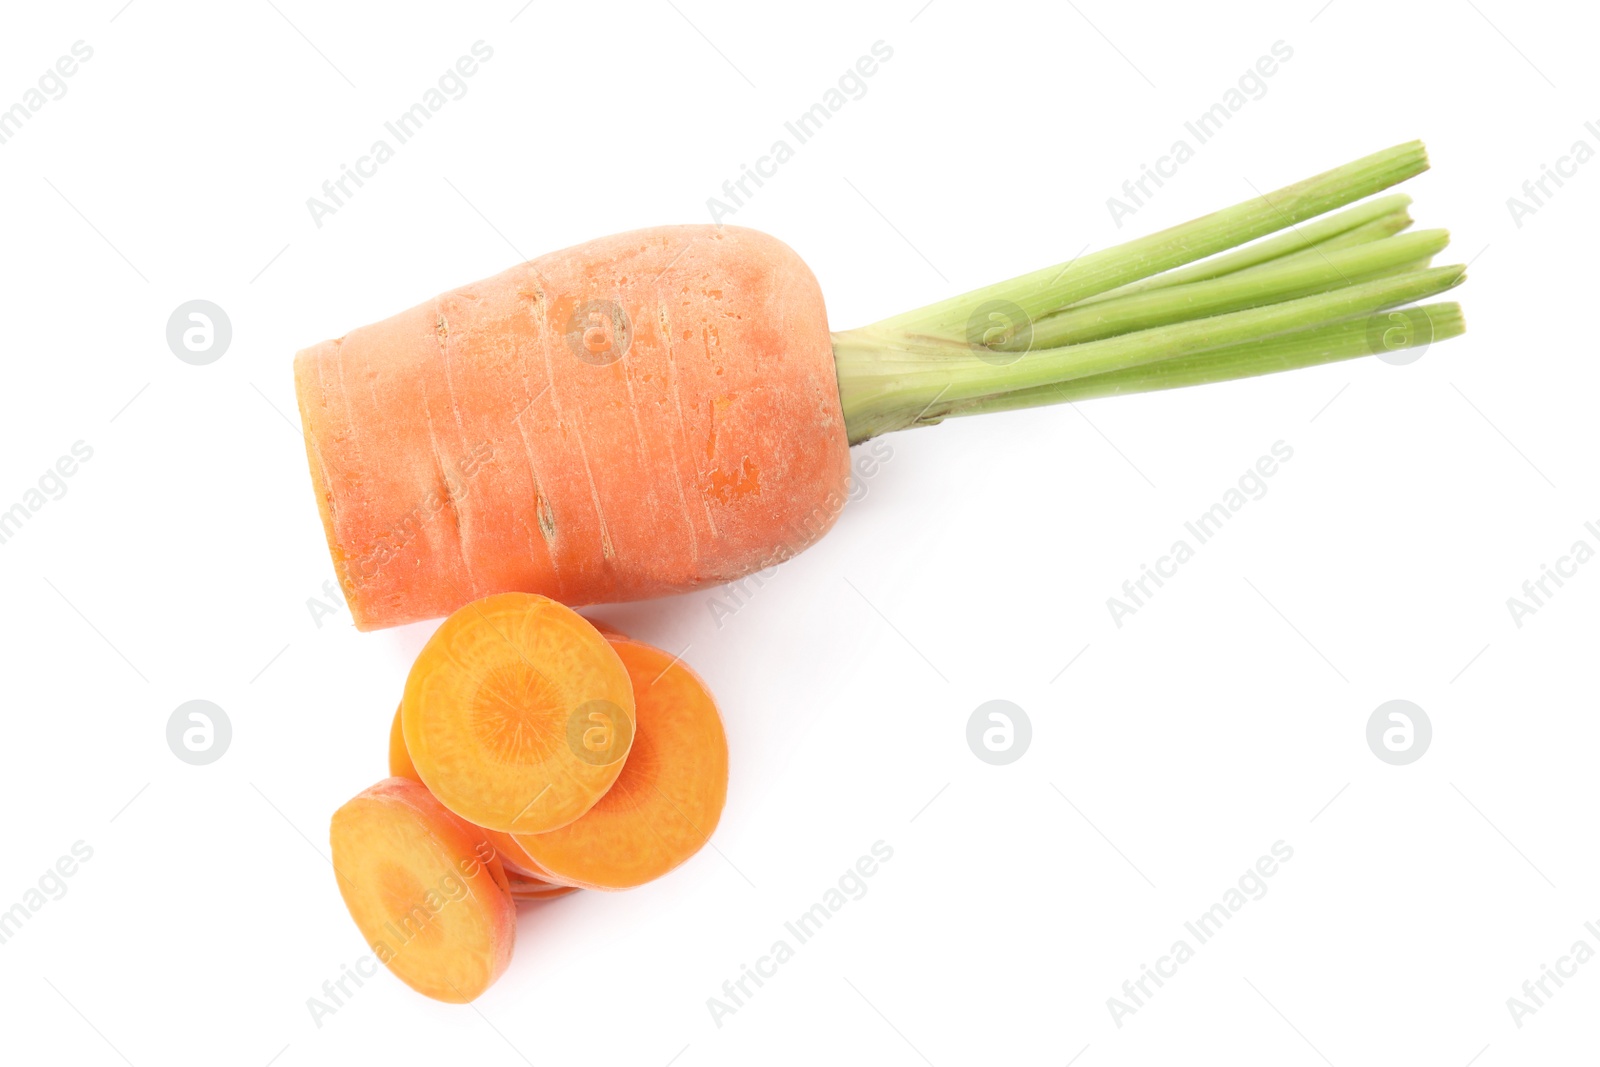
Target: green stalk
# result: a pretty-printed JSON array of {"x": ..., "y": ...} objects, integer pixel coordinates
[
  {"x": 887, "y": 384},
  {"x": 1175, "y": 308},
  {"x": 1387, "y": 226},
  {"x": 1299, "y": 275},
  {"x": 1379, "y": 217},
  {"x": 1346, "y": 339},
  {"x": 1042, "y": 291}
]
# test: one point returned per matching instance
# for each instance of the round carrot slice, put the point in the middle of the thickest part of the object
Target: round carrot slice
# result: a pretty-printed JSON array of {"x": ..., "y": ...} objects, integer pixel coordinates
[
  {"x": 669, "y": 796},
  {"x": 517, "y": 714},
  {"x": 400, "y": 765},
  {"x": 425, "y": 889}
]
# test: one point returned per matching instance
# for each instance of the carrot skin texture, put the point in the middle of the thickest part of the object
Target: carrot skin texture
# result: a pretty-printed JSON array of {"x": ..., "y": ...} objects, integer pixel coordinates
[{"x": 478, "y": 443}]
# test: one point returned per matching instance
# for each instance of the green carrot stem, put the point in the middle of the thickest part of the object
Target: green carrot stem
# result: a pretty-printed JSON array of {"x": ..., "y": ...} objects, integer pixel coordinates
[
  {"x": 886, "y": 383},
  {"x": 1379, "y": 217},
  {"x": 1347, "y": 339},
  {"x": 1315, "y": 273},
  {"x": 1042, "y": 291},
  {"x": 1387, "y": 226}
]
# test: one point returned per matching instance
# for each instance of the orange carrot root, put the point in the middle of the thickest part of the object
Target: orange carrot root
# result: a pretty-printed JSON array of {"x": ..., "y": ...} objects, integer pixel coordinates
[{"x": 515, "y": 434}]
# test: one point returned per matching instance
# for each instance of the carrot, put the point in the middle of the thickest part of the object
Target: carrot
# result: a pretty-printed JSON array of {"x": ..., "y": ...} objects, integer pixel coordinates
[
  {"x": 476, "y": 444},
  {"x": 400, "y": 765},
  {"x": 540, "y": 896},
  {"x": 425, "y": 889},
  {"x": 516, "y": 861},
  {"x": 515, "y": 858},
  {"x": 533, "y": 890},
  {"x": 666, "y": 802},
  {"x": 517, "y": 714},
  {"x": 661, "y": 410}
]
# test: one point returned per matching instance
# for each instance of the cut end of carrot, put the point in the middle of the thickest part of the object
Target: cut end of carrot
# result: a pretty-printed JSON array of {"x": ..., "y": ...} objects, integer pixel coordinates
[
  {"x": 425, "y": 889},
  {"x": 518, "y": 714},
  {"x": 665, "y": 804}
]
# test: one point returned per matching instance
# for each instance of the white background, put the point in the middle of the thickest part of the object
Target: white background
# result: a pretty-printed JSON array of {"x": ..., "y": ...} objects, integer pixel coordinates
[{"x": 1225, "y": 716}]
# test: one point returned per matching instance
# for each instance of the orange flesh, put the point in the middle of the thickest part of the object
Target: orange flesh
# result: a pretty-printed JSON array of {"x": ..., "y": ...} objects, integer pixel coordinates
[
  {"x": 522, "y": 873},
  {"x": 667, "y": 800},
  {"x": 539, "y": 896},
  {"x": 518, "y": 714},
  {"x": 400, "y": 765},
  {"x": 515, "y": 859},
  {"x": 516, "y": 435},
  {"x": 425, "y": 889},
  {"x": 535, "y": 889}
]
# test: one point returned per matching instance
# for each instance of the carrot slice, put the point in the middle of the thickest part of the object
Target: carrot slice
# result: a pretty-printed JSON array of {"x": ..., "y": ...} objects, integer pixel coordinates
[
  {"x": 400, "y": 765},
  {"x": 426, "y": 890},
  {"x": 540, "y": 896},
  {"x": 668, "y": 798},
  {"x": 522, "y": 873},
  {"x": 524, "y": 890},
  {"x": 515, "y": 859},
  {"x": 518, "y": 714}
]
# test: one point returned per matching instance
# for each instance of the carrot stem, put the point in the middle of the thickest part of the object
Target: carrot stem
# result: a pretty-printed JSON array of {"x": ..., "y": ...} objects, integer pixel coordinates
[
  {"x": 1346, "y": 339},
  {"x": 1314, "y": 272},
  {"x": 912, "y": 375},
  {"x": 1380, "y": 217},
  {"x": 1176, "y": 307},
  {"x": 1045, "y": 290}
]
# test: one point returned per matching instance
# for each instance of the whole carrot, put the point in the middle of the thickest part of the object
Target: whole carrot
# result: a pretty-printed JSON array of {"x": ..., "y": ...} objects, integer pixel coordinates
[{"x": 661, "y": 410}]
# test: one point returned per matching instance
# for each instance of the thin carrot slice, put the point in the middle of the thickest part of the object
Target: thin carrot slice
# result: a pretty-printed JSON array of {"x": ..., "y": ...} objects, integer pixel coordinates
[
  {"x": 527, "y": 883},
  {"x": 518, "y": 714},
  {"x": 426, "y": 890},
  {"x": 515, "y": 859},
  {"x": 400, "y": 765},
  {"x": 542, "y": 896},
  {"x": 669, "y": 796},
  {"x": 525, "y": 890}
]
